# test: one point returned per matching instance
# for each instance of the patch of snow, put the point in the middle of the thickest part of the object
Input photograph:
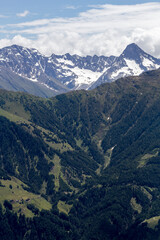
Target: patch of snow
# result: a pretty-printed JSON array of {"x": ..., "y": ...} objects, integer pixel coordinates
[
  {"x": 30, "y": 79},
  {"x": 85, "y": 76},
  {"x": 44, "y": 84},
  {"x": 66, "y": 83},
  {"x": 33, "y": 79},
  {"x": 50, "y": 61},
  {"x": 122, "y": 72},
  {"x": 34, "y": 50},
  {"x": 59, "y": 75},
  {"x": 149, "y": 64},
  {"x": 136, "y": 70},
  {"x": 68, "y": 73},
  {"x": 65, "y": 62}
]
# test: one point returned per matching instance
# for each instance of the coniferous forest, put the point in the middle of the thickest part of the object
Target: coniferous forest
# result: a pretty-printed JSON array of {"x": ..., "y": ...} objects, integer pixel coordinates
[{"x": 82, "y": 165}]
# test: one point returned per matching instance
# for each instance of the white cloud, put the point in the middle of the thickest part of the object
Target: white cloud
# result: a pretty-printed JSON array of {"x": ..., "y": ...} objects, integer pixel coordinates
[
  {"x": 3, "y": 16},
  {"x": 102, "y": 30},
  {"x": 23, "y": 14},
  {"x": 72, "y": 7}
]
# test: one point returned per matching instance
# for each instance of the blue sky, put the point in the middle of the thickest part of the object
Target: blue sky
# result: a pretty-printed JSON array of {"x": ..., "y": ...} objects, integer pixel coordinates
[
  {"x": 84, "y": 27},
  {"x": 54, "y": 8}
]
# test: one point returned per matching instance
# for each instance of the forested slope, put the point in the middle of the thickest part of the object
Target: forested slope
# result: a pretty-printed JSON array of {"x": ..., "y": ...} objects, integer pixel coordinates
[{"x": 92, "y": 157}]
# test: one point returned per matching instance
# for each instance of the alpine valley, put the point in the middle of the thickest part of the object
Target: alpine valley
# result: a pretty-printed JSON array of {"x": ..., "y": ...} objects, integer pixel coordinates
[
  {"x": 83, "y": 165},
  {"x": 23, "y": 69}
]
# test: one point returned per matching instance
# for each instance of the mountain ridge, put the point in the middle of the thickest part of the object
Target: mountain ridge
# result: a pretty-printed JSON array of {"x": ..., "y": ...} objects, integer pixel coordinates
[{"x": 63, "y": 73}]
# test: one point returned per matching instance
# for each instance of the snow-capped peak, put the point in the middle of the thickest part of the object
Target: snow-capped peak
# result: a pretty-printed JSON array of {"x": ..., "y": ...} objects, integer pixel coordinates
[{"x": 132, "y": 61}]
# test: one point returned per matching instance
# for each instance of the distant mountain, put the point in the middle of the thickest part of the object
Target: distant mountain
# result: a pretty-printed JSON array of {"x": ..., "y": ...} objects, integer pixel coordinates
[
  {"x": 29, "y": 65},
  {"x": 14, "y": 82},
  {"x": 62, "y": 73}
]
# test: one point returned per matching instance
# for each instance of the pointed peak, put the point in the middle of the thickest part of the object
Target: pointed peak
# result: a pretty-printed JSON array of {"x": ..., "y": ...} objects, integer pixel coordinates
[
  {"x": 132, "y": 51},
  {"x": 132, "y": 47}
]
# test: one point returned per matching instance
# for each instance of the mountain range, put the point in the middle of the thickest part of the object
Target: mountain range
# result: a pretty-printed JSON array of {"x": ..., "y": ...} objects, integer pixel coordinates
[{"x": 23, "y": 69}]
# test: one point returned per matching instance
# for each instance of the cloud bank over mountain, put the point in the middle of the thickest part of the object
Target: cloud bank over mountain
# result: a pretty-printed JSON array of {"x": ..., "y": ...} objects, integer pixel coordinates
[{"x": 102, "y": 30}]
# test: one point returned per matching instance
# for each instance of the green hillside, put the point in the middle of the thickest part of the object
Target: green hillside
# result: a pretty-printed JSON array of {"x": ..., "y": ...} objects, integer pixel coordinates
[{"x": 89, "y": 159}]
